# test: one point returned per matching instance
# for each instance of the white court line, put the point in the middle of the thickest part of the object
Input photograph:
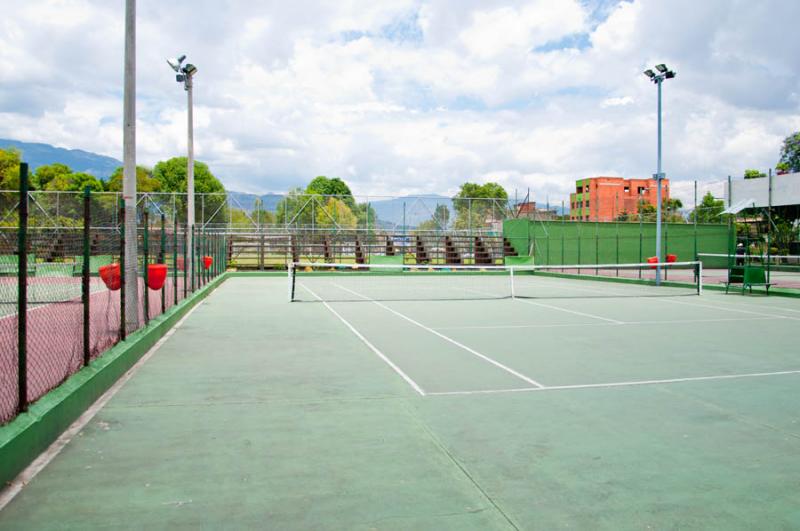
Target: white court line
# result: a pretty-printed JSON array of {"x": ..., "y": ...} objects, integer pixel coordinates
[
  {"x": 446, "y": 338},
  {"x": 736, "y": 310},
  {"x": 626, "y": 323},
  {"x": 574, "y": 312},
  {"x": 372, "y": 347},
  {"x": 573, "y": 287},
  {"x": 38, "y": 464},
  {"x": 616, "y": 384}
]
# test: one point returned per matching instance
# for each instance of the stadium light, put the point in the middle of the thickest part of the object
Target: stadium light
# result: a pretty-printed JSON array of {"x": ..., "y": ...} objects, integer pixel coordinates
[
  {"x": 658, "y": 79},
  {"x": 176, "y": 62},
  {"x": 184, "y": 74}
]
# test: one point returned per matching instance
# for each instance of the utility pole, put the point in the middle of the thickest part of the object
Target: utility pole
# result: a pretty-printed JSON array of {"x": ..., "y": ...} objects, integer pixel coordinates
[{"x": 129, "y": 170}]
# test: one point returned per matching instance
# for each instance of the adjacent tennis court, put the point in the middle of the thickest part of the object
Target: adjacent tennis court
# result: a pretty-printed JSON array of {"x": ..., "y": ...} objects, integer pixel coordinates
[{"x": 447, "y": 400}]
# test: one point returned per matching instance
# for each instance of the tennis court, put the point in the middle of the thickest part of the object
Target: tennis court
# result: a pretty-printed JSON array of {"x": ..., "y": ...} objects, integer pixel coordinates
[{"x": 438, "y": 401}]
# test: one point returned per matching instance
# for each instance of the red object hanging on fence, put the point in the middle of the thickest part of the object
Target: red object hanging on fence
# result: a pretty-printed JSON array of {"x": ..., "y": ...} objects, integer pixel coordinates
[
  {"x": 652, "y": 260},
  {"x": 156, "y": 275},
  {"x": 207, "y": 261},
  {"x": 672, "y": 258},
  {"x": 110, "y": 276}
]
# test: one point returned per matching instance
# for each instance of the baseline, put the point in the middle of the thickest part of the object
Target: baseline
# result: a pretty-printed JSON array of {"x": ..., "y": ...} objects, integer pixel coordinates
[{"x": 620, "y": 384}]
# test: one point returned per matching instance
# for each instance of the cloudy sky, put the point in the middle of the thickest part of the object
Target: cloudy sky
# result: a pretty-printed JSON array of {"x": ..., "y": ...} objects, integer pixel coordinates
[{"x": 414, "y": 96}]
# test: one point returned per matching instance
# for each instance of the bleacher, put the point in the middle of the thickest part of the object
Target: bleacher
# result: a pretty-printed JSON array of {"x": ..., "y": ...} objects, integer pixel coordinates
[{"x": 275, "y": 249}]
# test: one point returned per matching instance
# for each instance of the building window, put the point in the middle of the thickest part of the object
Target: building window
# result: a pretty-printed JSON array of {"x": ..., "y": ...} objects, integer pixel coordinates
[
  {"x": 627, "y": 189},
  {"x": 587, "y": 203},
  {"x": 640, "y": 190},
  {"x": 580, "y": 189}
]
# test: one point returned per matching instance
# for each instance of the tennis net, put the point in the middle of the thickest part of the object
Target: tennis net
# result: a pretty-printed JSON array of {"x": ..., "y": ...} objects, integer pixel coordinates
[
  {"x": 310, "y": 282},
  {"x": 787, "y": 263}
]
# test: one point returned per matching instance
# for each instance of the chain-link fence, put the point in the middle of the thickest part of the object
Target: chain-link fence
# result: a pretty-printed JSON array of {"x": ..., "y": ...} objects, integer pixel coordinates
[{"x": 62, "y": 281}]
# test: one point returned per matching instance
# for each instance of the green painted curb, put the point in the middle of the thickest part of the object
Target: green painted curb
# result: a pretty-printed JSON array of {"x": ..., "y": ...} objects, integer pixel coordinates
[{"x": 31, "y": 433}]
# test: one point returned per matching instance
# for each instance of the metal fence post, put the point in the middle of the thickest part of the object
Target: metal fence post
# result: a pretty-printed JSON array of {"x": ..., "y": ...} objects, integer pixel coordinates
[
  {"x": 175, "y": 257},
  {"x": 123, "y": 288},
  {"x": 695, "y": 220},
  {"x": 162, "y": 260},
  {"x": 186, "y": 264},
  {"x": 87, "y": 222},
  {"x": 145, "y": 261},
  {"x": 22, "y": 292},
  {"x": 193, "y": 261},
  {"x": 641, "y": 238}
]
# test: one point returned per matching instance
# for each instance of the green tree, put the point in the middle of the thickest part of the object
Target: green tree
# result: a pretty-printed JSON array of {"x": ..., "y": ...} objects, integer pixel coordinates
[
  {"x": 753, "y": 174},
  {"x": 331, "y": 186},
  {"x": 646, "y": 210},
  {"x": 145, "y": 182},
  {"x": 51, "y": 172},
  {"x": 439, "y": 220},
  {"x": 9, "y": 169},
  {"x": 295, "y": 208},
  {"x": 790, "y": 153},
  {"x": 172, "y": 176},
  {"x": 366, "y": 215},
  {"x": 74, "y": 182},
  {"x": 475, "y": 203},
  {"x": 335, "y": 213},
  {"x": 709, "y": 210}
]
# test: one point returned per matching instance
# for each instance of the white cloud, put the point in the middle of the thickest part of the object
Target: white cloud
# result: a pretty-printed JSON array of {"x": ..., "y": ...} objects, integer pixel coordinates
[{"x": 412, "y": 96}]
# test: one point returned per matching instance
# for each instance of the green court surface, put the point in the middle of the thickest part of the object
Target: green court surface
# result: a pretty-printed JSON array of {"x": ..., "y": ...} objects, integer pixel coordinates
[{"x": 613, "y": 410}]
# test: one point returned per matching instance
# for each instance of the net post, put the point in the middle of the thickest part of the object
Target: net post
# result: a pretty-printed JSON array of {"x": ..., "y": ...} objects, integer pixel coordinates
[
  {"x": 22, "y": 292},
  {"x": 145, "y": 260},
  {"x": 123, "y": 288},
  {"x": 291, "y": 281},
  {"x": 87, "y": 222},
  {"x": 699, "y": 272}
]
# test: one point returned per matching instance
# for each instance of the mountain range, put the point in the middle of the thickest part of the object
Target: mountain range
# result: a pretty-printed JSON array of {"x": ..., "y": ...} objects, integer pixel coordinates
[{"x": 36, "y": 154}]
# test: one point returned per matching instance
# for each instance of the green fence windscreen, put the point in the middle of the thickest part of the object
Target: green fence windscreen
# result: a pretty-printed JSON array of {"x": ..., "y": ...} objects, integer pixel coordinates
[{"x": 581, "y": 242}]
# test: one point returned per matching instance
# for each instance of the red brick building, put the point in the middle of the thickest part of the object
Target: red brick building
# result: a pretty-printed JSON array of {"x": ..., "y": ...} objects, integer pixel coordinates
[{"x": 606, "y": 198}]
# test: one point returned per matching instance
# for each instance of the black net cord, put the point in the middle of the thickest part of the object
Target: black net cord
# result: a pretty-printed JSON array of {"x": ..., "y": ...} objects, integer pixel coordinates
[{"x": 22, "y": 292}]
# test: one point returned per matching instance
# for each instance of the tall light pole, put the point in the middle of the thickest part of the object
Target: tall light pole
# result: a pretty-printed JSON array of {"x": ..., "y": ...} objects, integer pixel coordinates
[
  {"x": 184, "y": 74},
  {"x": 129, "y": 170},
  {"x": 658, "y": 79}
]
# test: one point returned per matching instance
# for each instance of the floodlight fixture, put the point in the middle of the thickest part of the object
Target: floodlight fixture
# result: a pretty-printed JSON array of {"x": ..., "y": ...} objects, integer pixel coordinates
[
  {"x": 669, "y": 75},
  {"x": 649, "y": 73},
  {"x": 175, "y": 63},
  {"x": 661, "y": 68},
  {"x": 189, "y": 69}
]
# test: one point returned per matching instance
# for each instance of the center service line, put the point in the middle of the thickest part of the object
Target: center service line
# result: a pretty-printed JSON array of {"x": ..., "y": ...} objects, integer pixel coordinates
[{"x": 448, "y": 339}]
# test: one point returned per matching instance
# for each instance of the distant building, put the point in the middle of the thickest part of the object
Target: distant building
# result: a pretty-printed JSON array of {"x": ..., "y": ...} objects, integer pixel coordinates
[
  {"x": 528, "y": 210},
  {"x": 606, "y": 198}
]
